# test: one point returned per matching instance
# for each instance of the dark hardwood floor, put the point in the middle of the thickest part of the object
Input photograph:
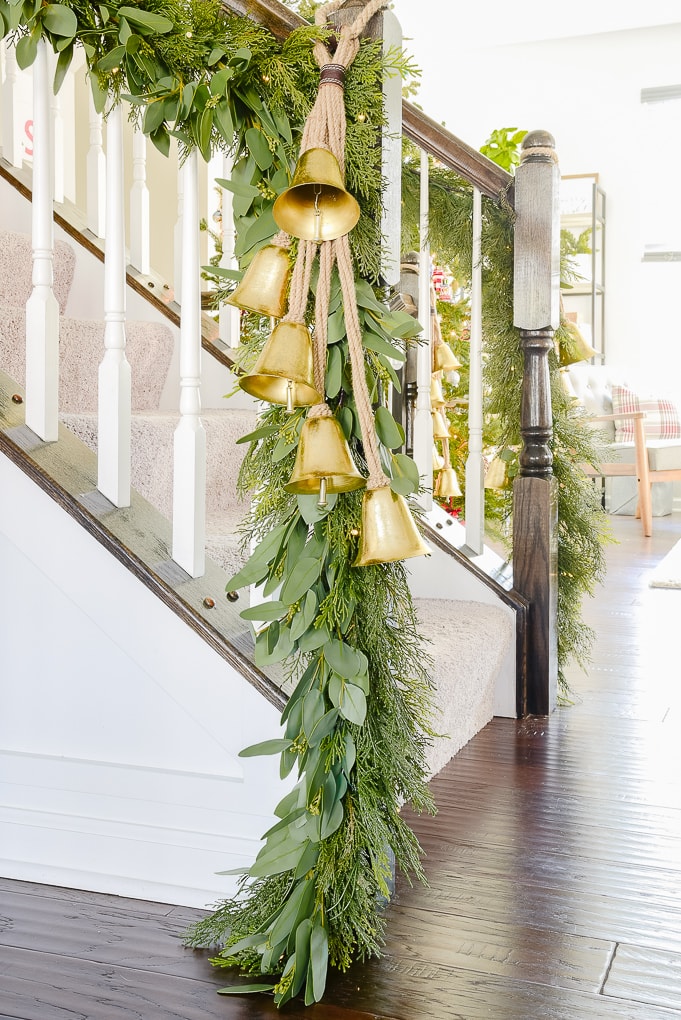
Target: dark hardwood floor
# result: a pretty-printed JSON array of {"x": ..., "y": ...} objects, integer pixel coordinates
[{"x": 554, "y": 867}]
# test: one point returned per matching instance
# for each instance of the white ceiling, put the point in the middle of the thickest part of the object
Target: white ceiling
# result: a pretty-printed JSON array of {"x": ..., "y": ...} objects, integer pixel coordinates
[{"x": 445, "y": 24}]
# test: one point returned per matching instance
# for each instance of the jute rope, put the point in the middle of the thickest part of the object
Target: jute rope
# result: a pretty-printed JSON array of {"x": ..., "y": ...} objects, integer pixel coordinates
[{"x": 325, "y": 128}]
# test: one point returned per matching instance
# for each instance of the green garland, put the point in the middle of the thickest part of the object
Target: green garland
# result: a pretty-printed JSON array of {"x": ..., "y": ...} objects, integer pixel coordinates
[
  {"x": 357, "y": 721},
  {"x": 583, "y": 528}
]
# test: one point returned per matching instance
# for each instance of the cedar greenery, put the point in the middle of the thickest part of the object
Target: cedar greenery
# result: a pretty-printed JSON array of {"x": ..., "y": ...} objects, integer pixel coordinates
[{"x": 583, "y": 528}]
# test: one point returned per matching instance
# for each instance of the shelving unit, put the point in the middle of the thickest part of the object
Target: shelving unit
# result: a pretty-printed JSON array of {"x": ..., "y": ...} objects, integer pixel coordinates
[{"x": 583, "y": 208}]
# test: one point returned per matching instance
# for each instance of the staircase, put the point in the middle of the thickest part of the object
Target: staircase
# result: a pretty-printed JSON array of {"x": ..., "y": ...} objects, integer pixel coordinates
[{"x": 126, "y": 703}]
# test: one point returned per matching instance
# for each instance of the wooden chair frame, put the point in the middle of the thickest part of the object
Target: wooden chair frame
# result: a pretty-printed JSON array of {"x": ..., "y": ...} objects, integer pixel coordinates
[{"x": 640, "y": 469}]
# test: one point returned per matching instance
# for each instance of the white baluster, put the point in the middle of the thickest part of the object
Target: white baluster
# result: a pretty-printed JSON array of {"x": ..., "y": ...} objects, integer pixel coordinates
[
  {"x": 189, "y": 468},
  {"x": 475, "y": 492},
  {"x": 139, "y": 205},
  {"x": 11, "y": 119},
  {"x": 177, "y": 240},
  {"x": 96, "y": 174},
  {"x": 57, "y": 134},
  {"x": 42, "y": 310},
  {"x": 230, "y": 316},
  {"x": 391, "y": 222},
  {"x": 114, "y": 371},
  {"x": 423, "y": 422}
]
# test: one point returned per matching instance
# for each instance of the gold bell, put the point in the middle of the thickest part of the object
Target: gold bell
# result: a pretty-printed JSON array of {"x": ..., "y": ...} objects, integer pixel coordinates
[
  {"x": 440, "y": 429},
  {"x": 438, "y": 459},
  {"x": 264, "y": 286},
  {"x": 316, "y": 207},
  {"x": 577, "y": 349},
  {"x": 444, "y": 359},
  {"x": 323, "y": 461},
  {"x": 447, "y": 484},
  {"x": 388, "y": 529},
  {"x": 436, "y": 395},
  {"x": 284, "y": 373},
  {"x": 495, "y": 476}
]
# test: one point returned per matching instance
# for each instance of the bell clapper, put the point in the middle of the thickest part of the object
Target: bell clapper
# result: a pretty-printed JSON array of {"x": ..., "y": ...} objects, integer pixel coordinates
[
  {"x": 317, "y": 214},
  {"x": 322, "y": 502},
  {"x": 289, "y": 396}
]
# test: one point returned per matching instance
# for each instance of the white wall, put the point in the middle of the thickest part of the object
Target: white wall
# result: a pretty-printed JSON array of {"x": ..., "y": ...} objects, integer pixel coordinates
[
  {"x": 586, "y": 91},
  {"x": 120, "y": 728}
]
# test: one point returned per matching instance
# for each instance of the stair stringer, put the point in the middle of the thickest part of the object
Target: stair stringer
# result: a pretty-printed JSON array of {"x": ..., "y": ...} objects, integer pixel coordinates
[{"x": 120, "y": 730}]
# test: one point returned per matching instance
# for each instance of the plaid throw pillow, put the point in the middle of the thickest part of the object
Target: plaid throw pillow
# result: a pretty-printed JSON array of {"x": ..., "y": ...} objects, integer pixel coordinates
[{"x": 661, "y": 420}]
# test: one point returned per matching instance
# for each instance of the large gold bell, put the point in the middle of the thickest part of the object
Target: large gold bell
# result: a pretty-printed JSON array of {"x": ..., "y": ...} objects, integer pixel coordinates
[
  {"x": 316, "y": 207},
  {"x": 440, "y": 429},
  {"x": 284, "y": 374},
  {"x": 444, "y": 359},
  {"x": 436, "y": 395},
  {"x": 447, "y": 484},
  {"x": 264, "y": 286},
  {"x": 388, "y": 529},
  {"x": 323, "y": 461},
  {"x": 577, "y": 349}
]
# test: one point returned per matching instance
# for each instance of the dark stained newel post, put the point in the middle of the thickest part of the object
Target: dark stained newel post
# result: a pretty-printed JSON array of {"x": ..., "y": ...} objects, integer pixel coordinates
[{"x": 536, "y": 314}]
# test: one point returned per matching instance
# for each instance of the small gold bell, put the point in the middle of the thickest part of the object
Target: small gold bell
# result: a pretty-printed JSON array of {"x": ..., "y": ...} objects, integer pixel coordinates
[
  {"x": 577, "y": 350},
  {"x": 323, "y": 461},
  {"x": 447, "y": 484},
  {"x": 436, "y": 395},
  {"x": 388, "y": 529},
  {"x": 438, "y": 459},
  {"x": 316, "y": 207},
  {"x": 496, "y": 476},
  {"x": 264, "y": 286},
  {"x": 284, "y": 373},
  {"x": 444, "y": 359},
  {"x": 440, "y": 429}
]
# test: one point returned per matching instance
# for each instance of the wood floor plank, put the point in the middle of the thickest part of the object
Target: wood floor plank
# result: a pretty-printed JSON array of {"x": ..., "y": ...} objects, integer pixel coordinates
[{"x": 645, "y": 975}]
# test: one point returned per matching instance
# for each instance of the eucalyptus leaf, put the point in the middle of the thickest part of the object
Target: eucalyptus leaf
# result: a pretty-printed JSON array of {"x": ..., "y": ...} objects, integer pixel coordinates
[
  {"x": 238, "y": 188},
  {"x": 291, "y": 817},
  {"x": 336, "y": 327},
  {"x": 307, "y": 860},
  {"x": 63, "y": 64},
  {"x": 245, "y": 989},
  {"x": 342, "y": 659},
  {"x": 301, "y": 579},
  {"x": 111, "y": 60},
  {"x": 266, "y": 611},
  {"x": 313, "y": 639},
  {"x": 156, "y": 23},
  {"x": 26, "y": 50},
  {"x": 223, "y": 120},
  {"x": 319, "y": 960},
  {"x": 265, "y": 747},
  {"x": 261, "y": 230},
  {"x": 287, "y": 915},
  {"x": 99, "y": 95},
  {"x": 302, "y": 954},
  {"x": 323, "y": 728},
  {"x": 310, "y": 510},
  {"x": 282, "y": 858},
  {"x": 376, "y": 343},
  {"x": 59, "y": 20},
  {"x": 314, "y": 708},
  {"x": 258, "y": 147},
  {"x": 334, "y": 371},
  {"x": 153, "y": 117},
  {"x": 367, "y": 299},
  {"x": 389, "y": 432},
  {"x": 403, "y": 486},
  {"x": 161, "y": 139},
  {"x": 332, "y": 820}
]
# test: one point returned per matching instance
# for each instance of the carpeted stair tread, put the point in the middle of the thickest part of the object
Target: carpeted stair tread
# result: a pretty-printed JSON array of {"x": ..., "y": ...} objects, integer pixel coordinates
[
  {"x": 467, "y": 642},
  {"x": 152, "y": 469}
]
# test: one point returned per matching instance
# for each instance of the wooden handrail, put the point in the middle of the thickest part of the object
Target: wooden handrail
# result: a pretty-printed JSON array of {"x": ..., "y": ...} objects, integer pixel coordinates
[{"x": 449, "y": 150}]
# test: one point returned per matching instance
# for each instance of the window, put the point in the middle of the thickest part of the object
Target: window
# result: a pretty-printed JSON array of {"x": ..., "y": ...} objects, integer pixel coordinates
[{"x": 661, "y": 179}]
